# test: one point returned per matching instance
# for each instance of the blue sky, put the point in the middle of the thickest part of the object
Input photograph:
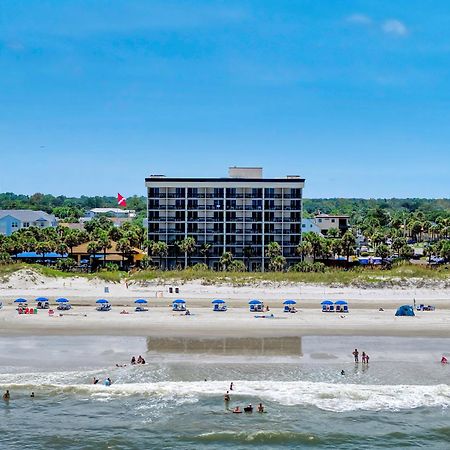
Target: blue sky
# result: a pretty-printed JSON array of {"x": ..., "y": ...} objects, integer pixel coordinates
[{"x": 352, "y": 95}]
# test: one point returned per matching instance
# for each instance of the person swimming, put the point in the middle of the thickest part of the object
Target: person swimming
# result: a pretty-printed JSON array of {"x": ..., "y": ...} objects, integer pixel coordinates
[
  {"x": 108, "y": 382},
  {"x": 260, "y": 408},
  {"x": 133, "y": 360},
  {"x": 6, "y": 396},
  {"x": 248, "y": 409},
  {"x": 32, "y": 395},
  {"x": 342, "y": 372},
  {"x": 237, "y": 410},
  {"x": 95, "y": 380}
]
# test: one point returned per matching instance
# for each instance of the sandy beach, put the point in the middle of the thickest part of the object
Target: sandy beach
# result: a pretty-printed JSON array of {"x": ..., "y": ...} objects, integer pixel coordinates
[{"x": 364, "y": 317}]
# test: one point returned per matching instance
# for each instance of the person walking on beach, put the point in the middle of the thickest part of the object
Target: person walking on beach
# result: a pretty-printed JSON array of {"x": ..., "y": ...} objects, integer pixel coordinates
[{"x": 356, "y": 355}]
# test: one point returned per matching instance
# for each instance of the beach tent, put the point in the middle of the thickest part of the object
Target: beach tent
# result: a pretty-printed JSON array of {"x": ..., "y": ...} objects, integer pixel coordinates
[
  {"x": 104, "y": 305},
  {"x": 287, "y": 305},
  {"x": 179, "y": 305},
  {"x": 219, "y": 305},
  {"x": 341, "y": 306},
  {"x": 42, "y": 302},
  {"x": 63, "y": 304},
  {"x": 256, "y": 305},
  {"x": 327, "y": 306},
  {"x": 405, "y": 310},
  {"x": 140, "y": 302}
]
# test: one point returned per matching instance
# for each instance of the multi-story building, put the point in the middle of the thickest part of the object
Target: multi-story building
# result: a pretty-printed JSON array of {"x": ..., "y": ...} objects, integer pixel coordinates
[
  {"x": 240, "y": 214},
  {"x": 14, "y": 219},
  {"x": 327, "y": 222}
]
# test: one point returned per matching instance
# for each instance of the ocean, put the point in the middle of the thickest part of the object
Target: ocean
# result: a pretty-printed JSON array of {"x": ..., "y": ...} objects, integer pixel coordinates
[{"x": 400, "y": 400}]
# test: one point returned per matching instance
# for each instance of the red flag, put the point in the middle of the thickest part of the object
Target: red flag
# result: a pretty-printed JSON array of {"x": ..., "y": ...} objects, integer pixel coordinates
[{"x": 121, "y": 201}]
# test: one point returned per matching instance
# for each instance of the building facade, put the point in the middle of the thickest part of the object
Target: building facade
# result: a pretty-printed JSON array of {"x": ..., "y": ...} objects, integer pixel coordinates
[
  {"x": 14, "y": 219},
  {"x": 240, "y": 214},
  {"x": 327, "y": 222}
]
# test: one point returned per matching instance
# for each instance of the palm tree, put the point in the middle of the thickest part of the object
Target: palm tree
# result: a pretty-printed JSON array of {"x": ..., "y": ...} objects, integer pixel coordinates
[
  {"x": 304, "y": 249},
  {"x": 226, "y": 260},
  {"x": 316, "y": 242},
  {"x": 277, "y": 263},
  {"x": 44, "y": 247},
  {"x": 124, "y": 247},
  {"x": 188, "y": 247},
  {"x": 104, "y": 241},
  {"x": 333, "y": 233},
  {"x": 205, "y": 250},
  {"x": 348, "y": 243},
  {"x": 248, "y": 253},
  {"x": 160, "y": 249}
]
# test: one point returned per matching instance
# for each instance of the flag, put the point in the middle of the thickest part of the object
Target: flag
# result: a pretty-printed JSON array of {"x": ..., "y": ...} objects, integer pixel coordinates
[{"x": 121, "y": 201}]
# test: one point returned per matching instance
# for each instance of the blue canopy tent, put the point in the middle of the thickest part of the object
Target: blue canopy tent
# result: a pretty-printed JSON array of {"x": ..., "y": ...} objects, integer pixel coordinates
[
  {"x": 341, "y": 306},
  {"x": 327, "y": 306},
  {"x": 179, "y": 305},
  {"x": 20, "y": 300},
  {"x": 63, "y": 304},
  {"x": 405, "y": 310},
  {"x": 104, "y": 305},
  {"x": 288, "y": 305},
  {"x": 42, "y": 302},
  {"x": 219, "y": 305},
  {"x": 140, "y": 302},
  {"x": 256, "y": 305}
]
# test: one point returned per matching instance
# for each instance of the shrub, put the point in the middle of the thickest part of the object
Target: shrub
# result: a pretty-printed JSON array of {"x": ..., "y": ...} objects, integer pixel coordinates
[
  {"x": 305, "y": 267},
  {"x": 66, "y": 265},
  {"x": 111, "y": 267},
  {"x": 5, "y": 258},
  {"x": 200, "y": 267},
  {"x": 237, "y": 266}
]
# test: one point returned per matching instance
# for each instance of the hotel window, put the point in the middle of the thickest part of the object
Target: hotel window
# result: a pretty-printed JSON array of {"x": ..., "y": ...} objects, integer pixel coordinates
[
  {"x": 231, "y": 192},
  {"x": 218, "y": 193},
  {"x": 192, "y": 192},
  {"x": 257, "y": 193},
  {"x": 179, "y": 192},
  {"x": 269, "y": 192},
  {"x": 153, "y": 192},
  {"x": 296, "y": 193}
]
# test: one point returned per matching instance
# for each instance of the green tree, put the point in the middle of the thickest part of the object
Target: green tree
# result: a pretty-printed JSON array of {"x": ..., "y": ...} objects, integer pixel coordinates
[
  {"x": 160, "y": 249},
  {"x": 188, "y": 247},
  {"x": 226, "y": 260},
  {"x": 277, "y": 263},
  {"x": 348, "y": 243}
]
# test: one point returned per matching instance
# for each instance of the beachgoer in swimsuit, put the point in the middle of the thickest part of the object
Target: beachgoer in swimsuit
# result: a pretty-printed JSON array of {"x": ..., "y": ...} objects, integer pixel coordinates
[
  {"x": 356, "y": 355},
  {"x": 226, "y": 397},
  {"x": 444, "y": 360},
  {"x": 237, "y": 410},
  {"x": 95, "y": 381},
  {"x": 367, "y": 359},
  {"x": 342, "y": 372},
  {"x": 108, "y": 382},
  {"x": 32, "y": 395},
  {"x": 6, "y": 396},
  {"x": 363, "y": 357},
  {"x": 139, "y": 360},
  {"x": 231, "y": 386},
  {"x": 260, "y": 408},
  {"x": 133, "y": 360},
  {"x": 248, "y": 409}
]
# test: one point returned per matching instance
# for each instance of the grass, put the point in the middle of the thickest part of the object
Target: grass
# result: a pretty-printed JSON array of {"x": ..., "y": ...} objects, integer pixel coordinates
[{"x": 359, "y": 276}]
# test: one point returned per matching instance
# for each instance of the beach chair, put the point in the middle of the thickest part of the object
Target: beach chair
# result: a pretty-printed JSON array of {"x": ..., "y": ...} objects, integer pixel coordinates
[
  {"x": 287, "y": 308},
  {"x": 331, "y": 308},
  {"x": 216, "y": 308},
  {"x": 253, "y": 308},
  {"x": 324, "y": 308},
  {"x": 51, "y": 312},
  {"x": 27, "y": 311},
  {"x": 345, "y": 309}
]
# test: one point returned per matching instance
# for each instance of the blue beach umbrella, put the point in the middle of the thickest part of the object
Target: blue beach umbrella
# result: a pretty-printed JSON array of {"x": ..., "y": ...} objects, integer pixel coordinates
[
  {"x": 218, "y": 301},
  {"x": 140, "y": 300},
  {"x": 254, "y": 302},
  {"x": 289, "y": 302},
  {"x": 179, "y": 300},
  {"x": 102, "y": 300},
  {"x": 62, "y": 300},
  {"x": 42, "y": 299},
  {"x": 20, "y": 300},
  {"x": 341, "y": 302},
  {"x": 327, "y": 302}
]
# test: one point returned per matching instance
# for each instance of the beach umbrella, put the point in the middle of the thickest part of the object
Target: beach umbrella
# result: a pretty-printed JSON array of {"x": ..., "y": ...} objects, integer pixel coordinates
[
  {"x": 341, "y": 302},
  {"x": 42, "y": 299},
  {"x": 102, "y": 300},
  {"x": 62, "y": 300},
  {"x": 289, "y": 302},
  {"x": 327, "y": 302},
  {"x": 140, "y": 300},
  {"x": 218, "y": 301},
  {"x": 20, "y": 300},
  {"x": 179, "y": 300},
  {"x": 254, "y": 302}
]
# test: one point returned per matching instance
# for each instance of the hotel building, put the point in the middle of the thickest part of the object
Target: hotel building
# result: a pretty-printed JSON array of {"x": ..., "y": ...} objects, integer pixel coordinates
[{"x": 240, "y": 214}]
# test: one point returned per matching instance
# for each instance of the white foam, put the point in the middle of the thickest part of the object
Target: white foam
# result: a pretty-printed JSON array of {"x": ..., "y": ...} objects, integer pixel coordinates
[{"x": 331, "y": 397}]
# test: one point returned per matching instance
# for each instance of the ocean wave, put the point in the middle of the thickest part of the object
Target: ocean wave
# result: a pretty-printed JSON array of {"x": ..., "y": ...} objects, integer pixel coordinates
[{"x": 338, "y": 397}]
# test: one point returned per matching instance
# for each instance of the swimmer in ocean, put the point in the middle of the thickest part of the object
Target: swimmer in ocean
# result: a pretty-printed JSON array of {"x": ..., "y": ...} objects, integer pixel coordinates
[{"x": 6, "y": 396}]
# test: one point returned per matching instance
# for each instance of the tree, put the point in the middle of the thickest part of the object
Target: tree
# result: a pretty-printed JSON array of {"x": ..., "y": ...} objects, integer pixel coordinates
[
  {"x": 273, "y": 249},
  {"x": 44, "y": 247},
  {"x": 382, "y": 251},
  {"x": 237, "y": 266},
  {"x": 188, "y": 247},
  {"x": 160, "y": 249},
  {"x": 348, "y": 243},
  {"x": 124, "y": 247},
  {"x": 248, "y": 252},
  {"x": 104, "y": 241},
  {"x": 316, "y": 242},
  {"x": 205, "y": 251},
  {"x": 304, "y": 249},
  {"x": 397, "y": 244},
  {"x": 277, "y": 263},
  {"x": 333, "y": 233},
  {"x": 225, "y": 260}
]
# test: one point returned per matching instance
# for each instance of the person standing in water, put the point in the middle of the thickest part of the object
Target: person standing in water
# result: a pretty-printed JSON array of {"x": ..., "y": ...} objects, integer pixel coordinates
[
  {"x": 226, "y": 397},
  {"x": 363, "y": 357},
  {"x": 231, "y": 386},
  {"x": 356, "y": 355},
  {"x": 6, "y": 396}
]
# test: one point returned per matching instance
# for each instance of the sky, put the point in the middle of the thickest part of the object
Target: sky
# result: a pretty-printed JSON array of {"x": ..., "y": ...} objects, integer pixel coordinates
[{"x": 351, "y": 95}]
